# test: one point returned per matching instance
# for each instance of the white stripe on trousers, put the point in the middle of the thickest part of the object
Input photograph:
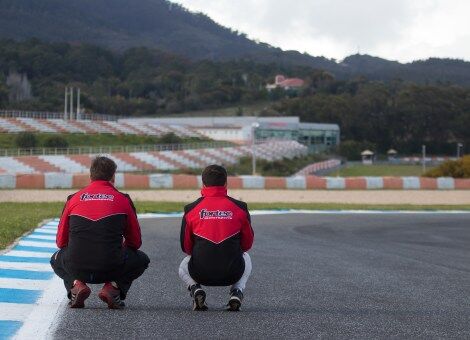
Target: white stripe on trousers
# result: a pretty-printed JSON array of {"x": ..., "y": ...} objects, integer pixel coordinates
[{"x": 188, "y": 280}]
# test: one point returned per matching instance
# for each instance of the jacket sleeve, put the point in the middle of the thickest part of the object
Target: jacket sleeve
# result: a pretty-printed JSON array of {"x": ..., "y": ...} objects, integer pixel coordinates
[
  {"x": 247, "y": 233},
  {"x": 132, "y": 233},
  {"x": 62, "y": 238},
  {"x": 186, "y": 235}
]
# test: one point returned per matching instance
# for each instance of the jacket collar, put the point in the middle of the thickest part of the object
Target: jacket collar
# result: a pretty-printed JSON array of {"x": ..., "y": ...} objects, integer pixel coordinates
[
  {"x": 101, "y": 183},
  {"x": 214, "y": 191}
]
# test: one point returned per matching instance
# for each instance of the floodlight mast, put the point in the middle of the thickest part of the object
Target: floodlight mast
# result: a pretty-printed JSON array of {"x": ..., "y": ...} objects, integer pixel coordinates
[
  {"x": 78, "y": 117},
  {"x": 65, "y": 102},
  {"x": 253, "y": 143},
  {"x": 71, "y": 103},
  {"x": 459, "y": 147},
  {"x": 424, "y": 157}
]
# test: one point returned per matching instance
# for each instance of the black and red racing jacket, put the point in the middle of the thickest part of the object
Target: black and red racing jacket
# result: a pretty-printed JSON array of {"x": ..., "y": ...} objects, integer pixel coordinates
[
  {"x": 215, "y": 231},
  {"x": 95, "y": 226}
]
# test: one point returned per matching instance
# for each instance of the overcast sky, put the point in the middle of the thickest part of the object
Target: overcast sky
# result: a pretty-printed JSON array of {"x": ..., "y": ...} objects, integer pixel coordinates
[{"x": 403, "y": 30}]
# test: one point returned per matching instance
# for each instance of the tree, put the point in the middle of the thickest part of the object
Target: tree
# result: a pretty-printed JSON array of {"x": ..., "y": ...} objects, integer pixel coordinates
[
  {"x": 56, "y": 141},
  {"x": 26, "y": 140},
  {"x": 170, "y": 138}
]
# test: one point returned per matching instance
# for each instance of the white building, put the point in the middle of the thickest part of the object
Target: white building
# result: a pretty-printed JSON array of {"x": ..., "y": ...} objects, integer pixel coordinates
[{"x": 233, "y": 129}]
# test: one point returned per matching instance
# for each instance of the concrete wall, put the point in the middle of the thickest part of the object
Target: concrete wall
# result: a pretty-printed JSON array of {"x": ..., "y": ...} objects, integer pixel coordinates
[{"x": 168, "y": 181}]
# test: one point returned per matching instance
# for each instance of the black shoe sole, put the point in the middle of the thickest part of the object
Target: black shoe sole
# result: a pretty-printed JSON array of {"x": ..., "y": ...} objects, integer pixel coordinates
[{"x": 234, "y": 305}]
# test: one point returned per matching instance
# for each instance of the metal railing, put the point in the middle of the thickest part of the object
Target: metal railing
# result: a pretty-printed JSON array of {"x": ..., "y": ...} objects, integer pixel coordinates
[
  {"x": 85, "y": 150},
  {"x": 53, "y": 115}
]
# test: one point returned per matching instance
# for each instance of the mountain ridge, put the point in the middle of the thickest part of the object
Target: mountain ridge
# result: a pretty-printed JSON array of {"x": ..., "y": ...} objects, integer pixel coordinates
[{"x": 161, "y": 24}]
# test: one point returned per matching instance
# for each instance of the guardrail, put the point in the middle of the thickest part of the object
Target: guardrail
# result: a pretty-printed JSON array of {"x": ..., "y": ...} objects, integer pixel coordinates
[
  {"x": 82, "y": 150},
  {"x": 318, "y": 166},
  {"x": 54, "y": 115}
]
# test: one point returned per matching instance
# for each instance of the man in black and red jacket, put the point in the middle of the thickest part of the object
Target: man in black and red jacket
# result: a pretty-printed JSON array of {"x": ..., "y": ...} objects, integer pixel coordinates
[
  {"x": 99, "y": 237},
  {"x": 216, "y": 234}
]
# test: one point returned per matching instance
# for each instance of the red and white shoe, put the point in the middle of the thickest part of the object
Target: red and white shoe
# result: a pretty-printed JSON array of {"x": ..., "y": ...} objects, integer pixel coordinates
[
  {"x": 111, "y": 296},
  {"x": 79, "y": 293}
]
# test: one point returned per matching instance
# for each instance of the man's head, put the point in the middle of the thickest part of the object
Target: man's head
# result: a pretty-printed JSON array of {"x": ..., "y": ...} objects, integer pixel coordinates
[
  {"x": 214, "y": 176},
  {"x": 102, "y": 168}
]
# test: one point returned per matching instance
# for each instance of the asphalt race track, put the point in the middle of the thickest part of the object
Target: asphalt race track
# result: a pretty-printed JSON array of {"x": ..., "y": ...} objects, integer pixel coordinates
[{"x": 331, "y": 276}]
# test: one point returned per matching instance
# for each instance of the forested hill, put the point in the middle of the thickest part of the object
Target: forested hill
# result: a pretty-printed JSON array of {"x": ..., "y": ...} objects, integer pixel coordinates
[{"x": 122, "y": 24}]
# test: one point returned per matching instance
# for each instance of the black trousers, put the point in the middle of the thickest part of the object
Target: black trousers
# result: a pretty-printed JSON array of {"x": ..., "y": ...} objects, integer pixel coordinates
[{"x": 135, "y": 263}]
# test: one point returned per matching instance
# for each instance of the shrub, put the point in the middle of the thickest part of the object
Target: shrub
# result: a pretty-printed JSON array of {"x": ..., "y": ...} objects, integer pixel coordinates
[
  {"x": 170, "y": 138},
  {"x": 351, "y": 149},
  {"x": 26, "y": 140},
  {"x": 456, "y": 169},
  {"x": 56, "y": 142}
]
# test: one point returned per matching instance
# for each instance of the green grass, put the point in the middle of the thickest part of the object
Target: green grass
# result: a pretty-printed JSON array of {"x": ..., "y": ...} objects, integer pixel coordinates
[
  {"x": 19, "y": 218},
  {"x": 8, "y": 141},
  {"x": 283, "y": 167},
  {"x": 379, "y": 170}
]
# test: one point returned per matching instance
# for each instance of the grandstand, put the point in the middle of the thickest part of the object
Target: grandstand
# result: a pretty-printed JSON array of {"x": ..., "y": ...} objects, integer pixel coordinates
[
  {"x": 152, "y": 160},
  {"x": 55, "y": 125}
]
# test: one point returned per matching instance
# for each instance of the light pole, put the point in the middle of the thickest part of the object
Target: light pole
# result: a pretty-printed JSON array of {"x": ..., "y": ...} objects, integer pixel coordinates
[
  {"x": 65, "y": 102},
  {"x": 253, "y": 143},
  {"x": 459, "y": 146},
  {"x": 424, "y": 158}
]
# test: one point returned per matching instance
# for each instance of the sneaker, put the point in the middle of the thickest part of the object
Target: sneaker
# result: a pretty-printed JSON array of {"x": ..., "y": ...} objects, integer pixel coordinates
[
  {"x": 199, "y": 297},
  {"x": 235, "y": 301},
  {"x": 111, "y": 296},
  {"x": 78, "y": 294}
]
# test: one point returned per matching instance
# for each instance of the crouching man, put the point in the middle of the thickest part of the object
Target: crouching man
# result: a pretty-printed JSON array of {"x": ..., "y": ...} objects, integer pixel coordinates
[
  {"x": 99, "y": 237},
  {"x": 216, "y": 234}
]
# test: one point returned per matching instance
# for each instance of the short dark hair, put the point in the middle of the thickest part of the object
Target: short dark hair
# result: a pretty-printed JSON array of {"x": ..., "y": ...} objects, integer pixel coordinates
[
  {"x": 214, "y": 176},
  {"x": 102, "y": 168}
]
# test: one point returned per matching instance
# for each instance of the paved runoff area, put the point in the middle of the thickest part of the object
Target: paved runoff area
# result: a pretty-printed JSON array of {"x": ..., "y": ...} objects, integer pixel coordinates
[
  {"x": 348, "y": 275},
  {"x": 416, "y": 197}
]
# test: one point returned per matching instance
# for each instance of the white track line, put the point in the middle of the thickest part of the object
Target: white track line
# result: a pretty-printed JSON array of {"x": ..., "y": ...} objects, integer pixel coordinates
[
  {"x": 14, "y": 311},
  {"x": 421, "y": 212},
  {"x": 37, "y": 244},
  {"x": 48, "y": 227},
  {"x": 45, "y": 231},
  {"x": 37, "y": 267},
  {"x": 23, "y": 284},
  {"x": 41, "y": 237},
  {"x": 43, "y": 319},
  {"x": 23, "y": 253},
  {"x": 330, "y": 212}
]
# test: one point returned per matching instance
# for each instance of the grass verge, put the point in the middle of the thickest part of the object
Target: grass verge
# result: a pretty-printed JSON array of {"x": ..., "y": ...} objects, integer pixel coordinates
[
  {"x": 8, "y": 140},
  {"x": 380, "y": 170},
  {"x": 18, "y": 218}
]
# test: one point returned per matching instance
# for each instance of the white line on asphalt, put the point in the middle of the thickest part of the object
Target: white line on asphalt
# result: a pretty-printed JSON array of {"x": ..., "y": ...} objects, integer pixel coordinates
[
  {"x": 45, "y": 231},
  {"x": 23, "y": 253},
  {"x": 37, "y": 244},
  {"x": 423, "y": 212},
  {"x": 331, "y": 212},
  {"x": 41, "y": 322},
  {"x": 14, "y": 311},
  {"x": 23, "y": 284},
  {"x": 39, "y": 267},
  {"x": 42, "y": 237}
]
